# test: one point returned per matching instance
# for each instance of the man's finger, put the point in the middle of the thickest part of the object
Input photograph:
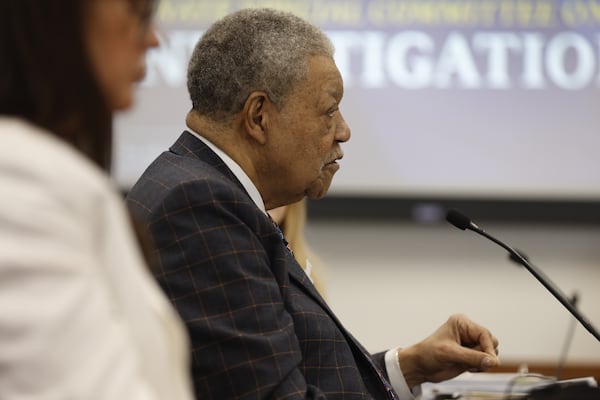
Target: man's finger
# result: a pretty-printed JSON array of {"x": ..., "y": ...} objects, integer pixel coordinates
[{"x": 474, "y": 359}]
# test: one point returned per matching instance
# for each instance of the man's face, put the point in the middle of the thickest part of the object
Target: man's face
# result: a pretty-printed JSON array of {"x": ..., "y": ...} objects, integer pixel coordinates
[{"x": 307, "y": 133}]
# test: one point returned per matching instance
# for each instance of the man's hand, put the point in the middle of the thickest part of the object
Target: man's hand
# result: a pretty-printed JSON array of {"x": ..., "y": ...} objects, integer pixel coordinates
[{"x": 457, "y": 346}]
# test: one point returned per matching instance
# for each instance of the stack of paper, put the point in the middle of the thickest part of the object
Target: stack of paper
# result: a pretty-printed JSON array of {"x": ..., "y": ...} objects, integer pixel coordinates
[{"x": 488, "y": 386}]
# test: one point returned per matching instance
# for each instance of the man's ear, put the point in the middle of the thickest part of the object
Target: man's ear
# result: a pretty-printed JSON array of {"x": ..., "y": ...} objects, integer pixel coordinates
[{"x": 256, "y": 116}]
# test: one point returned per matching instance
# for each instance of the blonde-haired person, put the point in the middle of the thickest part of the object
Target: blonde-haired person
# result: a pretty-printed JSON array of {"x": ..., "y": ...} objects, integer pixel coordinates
[
  {"x": 292, "y": 221},
  {"x": 80, "y": 315}
]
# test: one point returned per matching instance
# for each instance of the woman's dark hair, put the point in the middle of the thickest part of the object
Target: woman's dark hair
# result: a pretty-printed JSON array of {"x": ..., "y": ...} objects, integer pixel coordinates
[{"x": 46, "y": 76}]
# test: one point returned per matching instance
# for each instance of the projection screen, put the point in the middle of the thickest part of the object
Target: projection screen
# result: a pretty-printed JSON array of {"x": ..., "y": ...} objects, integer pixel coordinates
[{"x": 446, "y": 99}]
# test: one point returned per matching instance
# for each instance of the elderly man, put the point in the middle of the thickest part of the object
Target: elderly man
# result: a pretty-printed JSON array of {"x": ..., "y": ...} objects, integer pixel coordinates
[{"x": 265, "y": 130}]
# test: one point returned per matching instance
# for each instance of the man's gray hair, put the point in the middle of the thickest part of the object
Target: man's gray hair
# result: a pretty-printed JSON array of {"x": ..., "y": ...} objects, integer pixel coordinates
[{"x": 251, "y": 50}]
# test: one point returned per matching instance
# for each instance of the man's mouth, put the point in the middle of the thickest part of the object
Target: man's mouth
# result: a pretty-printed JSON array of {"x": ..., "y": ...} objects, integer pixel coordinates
[{"x": 336, "y": 159}]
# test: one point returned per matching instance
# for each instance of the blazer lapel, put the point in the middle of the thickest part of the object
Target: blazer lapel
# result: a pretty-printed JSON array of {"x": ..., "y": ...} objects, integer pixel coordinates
[
  {"x": 188, "y": 145},
  {"x": 363, "y": 357}
]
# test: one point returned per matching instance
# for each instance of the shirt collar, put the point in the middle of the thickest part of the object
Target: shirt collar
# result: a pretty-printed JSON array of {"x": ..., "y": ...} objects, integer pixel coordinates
[{"x": 236, "y": 170}]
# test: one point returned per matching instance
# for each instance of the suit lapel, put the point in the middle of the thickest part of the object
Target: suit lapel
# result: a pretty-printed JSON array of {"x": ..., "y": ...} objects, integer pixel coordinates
[
  {"x": 363, "y": 357},
  {"x": 299, "y": 276},
  {"x": 188, "y": 145}
]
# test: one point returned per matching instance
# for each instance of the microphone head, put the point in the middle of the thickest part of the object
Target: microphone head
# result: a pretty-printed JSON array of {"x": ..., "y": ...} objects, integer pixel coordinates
[{"x": 458, "y": 220}]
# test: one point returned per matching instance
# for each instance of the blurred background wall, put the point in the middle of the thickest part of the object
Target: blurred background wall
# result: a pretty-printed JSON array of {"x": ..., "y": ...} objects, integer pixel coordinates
[{"x": 394, "y": 283}]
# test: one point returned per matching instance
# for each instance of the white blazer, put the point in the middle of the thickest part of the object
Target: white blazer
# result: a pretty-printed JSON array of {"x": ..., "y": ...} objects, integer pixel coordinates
[{"x": 80, "y": 315}]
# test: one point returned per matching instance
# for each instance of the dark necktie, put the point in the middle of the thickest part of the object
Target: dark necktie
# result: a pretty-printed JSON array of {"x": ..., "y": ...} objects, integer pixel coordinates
[{"x": 285, "y": 242}]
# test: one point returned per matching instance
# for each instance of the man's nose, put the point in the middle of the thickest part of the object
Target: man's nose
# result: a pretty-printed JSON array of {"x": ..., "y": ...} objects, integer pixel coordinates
[{"x": 342, "y": 132}]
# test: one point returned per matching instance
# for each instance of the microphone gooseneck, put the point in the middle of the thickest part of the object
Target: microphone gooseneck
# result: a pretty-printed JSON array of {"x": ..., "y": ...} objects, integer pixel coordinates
[
  {"x": 462, "y": 222},
  {"x": 568, "y": 340}
]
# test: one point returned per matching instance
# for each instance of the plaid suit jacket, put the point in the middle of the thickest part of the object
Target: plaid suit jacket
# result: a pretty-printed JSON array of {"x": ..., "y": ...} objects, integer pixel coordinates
[{"x": 258, "y": 327}]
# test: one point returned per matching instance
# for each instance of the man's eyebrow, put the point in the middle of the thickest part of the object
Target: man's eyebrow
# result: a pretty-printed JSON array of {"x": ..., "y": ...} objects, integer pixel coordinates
[{"x": 336, "y": 93}]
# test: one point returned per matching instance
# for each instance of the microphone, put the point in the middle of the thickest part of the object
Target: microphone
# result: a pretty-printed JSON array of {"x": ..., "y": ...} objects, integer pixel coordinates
[{"x": 462, "y": 222}]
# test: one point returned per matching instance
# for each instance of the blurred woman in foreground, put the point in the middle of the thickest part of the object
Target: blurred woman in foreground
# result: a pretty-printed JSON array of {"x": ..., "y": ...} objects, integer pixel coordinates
[{"x": 80, "y": 316}]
